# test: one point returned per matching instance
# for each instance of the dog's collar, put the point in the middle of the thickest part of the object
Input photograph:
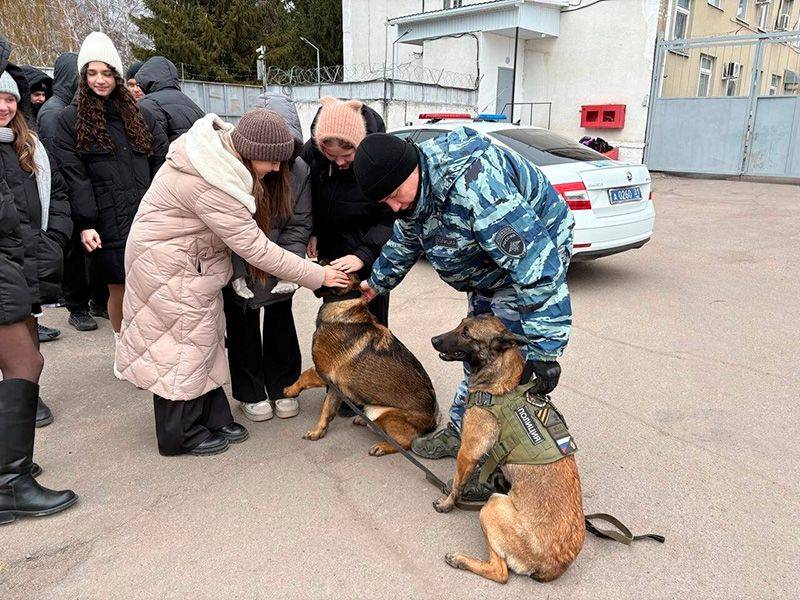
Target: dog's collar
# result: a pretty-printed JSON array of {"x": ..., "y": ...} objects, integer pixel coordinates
[{"x": 348, "y": 296}]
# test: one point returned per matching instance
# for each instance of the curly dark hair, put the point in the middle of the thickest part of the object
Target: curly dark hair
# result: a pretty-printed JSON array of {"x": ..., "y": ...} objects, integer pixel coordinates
[{"x": 91, "y": 125}]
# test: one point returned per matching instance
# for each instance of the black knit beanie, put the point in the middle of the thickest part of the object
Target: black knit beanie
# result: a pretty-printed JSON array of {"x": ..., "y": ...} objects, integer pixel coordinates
[
  {"x": 382, "y": 163},
  {"x": 133, "y": 70}
]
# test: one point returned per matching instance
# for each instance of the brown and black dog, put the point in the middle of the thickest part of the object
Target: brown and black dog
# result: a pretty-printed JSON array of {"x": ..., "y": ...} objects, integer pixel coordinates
[
  {"x": 537, "y": 529},
  {"x": 356, "y": 357}
]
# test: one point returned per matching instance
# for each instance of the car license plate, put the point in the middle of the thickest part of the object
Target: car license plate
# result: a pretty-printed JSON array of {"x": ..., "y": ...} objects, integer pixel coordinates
[{"x": 628, "y": 194}]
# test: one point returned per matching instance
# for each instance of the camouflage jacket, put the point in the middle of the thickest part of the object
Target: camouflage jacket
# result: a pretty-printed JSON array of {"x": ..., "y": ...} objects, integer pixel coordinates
[{"x": 486, "y": 220}]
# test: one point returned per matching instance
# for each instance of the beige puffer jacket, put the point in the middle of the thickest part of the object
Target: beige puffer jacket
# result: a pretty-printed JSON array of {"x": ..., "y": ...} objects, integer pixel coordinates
[{"x": 177, "y": 260}]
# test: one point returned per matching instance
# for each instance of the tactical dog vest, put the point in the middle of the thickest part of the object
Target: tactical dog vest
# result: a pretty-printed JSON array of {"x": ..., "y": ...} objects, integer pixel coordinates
[{"x": 532, "y": 431}]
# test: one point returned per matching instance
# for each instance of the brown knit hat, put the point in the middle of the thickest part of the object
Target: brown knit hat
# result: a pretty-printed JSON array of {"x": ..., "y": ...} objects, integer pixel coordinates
[
  {"x": 262, "y": 134},
  {"x": 342, "y": 120}
]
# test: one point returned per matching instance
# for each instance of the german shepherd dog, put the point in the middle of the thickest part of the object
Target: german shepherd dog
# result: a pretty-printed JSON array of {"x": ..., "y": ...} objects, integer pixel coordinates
[
  {"x": 356, "y": 357},
  {"x": 537, "y": 529}
]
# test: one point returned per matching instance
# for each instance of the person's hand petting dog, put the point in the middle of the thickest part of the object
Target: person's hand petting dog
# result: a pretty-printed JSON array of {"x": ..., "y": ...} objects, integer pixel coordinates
[
  {"x": 335, "y": 277},
  {"x": 366, "y": 291},
  {"x": 349, "y": 264}
]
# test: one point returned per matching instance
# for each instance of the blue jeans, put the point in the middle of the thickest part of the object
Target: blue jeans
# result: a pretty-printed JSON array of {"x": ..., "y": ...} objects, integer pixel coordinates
[{"x": 503, "y": 306}]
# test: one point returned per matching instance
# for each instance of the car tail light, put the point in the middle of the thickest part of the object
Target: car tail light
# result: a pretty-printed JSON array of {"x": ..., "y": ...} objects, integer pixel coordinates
[
  {"x": 581, "y": 245},
  {"x": 650, "y": 196},
  {"x": 575, "y": 195}
]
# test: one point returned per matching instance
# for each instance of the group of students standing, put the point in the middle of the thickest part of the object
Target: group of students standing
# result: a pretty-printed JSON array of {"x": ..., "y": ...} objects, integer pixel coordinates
[{"x": 130, "y": 194}]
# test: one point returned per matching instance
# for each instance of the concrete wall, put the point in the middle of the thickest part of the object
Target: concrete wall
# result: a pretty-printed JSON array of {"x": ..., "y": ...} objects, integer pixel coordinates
[
  {"x": 365, "y": 37},
  {"x": 498, "y": 51},
  {"x": 459, "y": 55},
  {"x": 603, "y": 55},
  {"x": 581, "y": 67}
]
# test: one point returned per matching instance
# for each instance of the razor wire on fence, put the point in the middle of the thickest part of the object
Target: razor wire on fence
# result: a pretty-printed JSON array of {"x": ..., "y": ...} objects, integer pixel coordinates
[{"x": 368, "y": 72}]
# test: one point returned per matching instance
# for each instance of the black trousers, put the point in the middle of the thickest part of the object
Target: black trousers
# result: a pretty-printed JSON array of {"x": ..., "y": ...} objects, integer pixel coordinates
[
  {"x": 182, "y": 425},
  {"x": 263, "y": 361},
  {"x": 75, "y": 283}
]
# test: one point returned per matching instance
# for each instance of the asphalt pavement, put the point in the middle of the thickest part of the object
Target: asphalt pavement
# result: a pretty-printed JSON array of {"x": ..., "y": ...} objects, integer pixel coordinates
[{"x": 680, "y": 385}]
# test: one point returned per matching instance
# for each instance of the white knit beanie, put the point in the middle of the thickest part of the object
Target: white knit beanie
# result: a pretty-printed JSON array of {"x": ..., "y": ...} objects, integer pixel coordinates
[
  {"x": 9, "y": 86},
  {"x": 98, "y": 46}
]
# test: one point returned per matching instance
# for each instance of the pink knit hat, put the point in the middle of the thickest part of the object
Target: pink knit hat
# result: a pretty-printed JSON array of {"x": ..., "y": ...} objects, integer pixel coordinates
[{"x": 340, "y": 119}]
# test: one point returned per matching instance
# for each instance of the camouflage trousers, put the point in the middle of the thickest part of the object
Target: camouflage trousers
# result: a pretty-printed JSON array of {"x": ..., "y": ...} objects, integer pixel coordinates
[{"x": 502, "y": 304}]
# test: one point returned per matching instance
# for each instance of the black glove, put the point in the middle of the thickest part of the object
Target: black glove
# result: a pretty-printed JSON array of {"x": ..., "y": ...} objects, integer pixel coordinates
[{"x": 544, "y": 372}]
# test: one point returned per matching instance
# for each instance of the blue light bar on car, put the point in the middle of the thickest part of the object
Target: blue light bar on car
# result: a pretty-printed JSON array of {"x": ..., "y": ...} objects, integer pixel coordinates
[{"x": 491, "y": 117}]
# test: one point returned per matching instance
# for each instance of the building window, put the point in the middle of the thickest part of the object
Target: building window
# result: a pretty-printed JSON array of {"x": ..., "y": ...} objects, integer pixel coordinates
[
  {"x": 715, "y": 3},
  {"x": 783, "y": 21},
  {"x": 706, "y": 75},
  {"x": 762, "y": 13},
  {"x": 775, "y": 85},
  {"x": 682, "y": 11},
  {"x": 741, "y": 10},
  {"x": 452, "y": 4},
  {"x": 730, "y": 87}
]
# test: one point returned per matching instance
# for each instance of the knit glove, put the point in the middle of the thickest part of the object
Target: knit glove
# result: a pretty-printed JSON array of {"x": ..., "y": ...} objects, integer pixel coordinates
[
  {"x": 284, "y": 287},
  {"x": 240, "y": 287},
  {"x": 544, "y": 372}
]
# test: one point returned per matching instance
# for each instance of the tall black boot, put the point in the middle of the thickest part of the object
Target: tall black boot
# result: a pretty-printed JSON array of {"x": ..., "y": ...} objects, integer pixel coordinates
[
  {"x": 20, "y": 494},
  {"x": 44, "y": 416}
]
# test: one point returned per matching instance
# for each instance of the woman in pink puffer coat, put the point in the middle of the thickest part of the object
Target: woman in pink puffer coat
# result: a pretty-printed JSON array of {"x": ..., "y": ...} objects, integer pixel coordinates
[{"x": 200, "y": 207}]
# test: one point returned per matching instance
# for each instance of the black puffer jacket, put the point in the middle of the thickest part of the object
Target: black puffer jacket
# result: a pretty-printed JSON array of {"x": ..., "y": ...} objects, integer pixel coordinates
[
  {"x": 38, "y": 80},
  {"x": 24, "y": 248},
  {"x": 106, "y": 186},
  {"x": 158, "y": 79},
  {"x": 345, "y": 221},
  {"x": 44, "y": 257},
  {"x": 65, "y": 83},
  {"x": 15, "y": 304}
]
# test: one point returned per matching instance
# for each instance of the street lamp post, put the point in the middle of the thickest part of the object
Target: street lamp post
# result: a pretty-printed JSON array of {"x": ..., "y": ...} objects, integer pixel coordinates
[
  {"x": 319, "y": 83},
  {"x": 394, "y": 56}
]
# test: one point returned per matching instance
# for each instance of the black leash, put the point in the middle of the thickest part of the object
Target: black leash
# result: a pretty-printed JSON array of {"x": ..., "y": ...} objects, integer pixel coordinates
[
  {"x": 623, "y": 536},
  {"x": 429, "y": 475}
]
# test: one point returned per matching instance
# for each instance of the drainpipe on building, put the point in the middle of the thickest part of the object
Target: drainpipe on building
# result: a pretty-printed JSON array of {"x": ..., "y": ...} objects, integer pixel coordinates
[
  {"x": 514, "y": 73},
  {"x": 394, "y": 56},
  {"x": 385, "y": 114}
]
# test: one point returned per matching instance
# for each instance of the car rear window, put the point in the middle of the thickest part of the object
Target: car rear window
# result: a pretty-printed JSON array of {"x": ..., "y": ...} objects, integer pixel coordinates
[{"x": 543, "y": 148}]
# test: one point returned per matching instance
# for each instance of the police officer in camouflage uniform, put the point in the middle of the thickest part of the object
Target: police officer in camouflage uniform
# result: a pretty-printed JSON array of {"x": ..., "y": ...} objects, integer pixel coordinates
[{"x": 491, "y": 225}]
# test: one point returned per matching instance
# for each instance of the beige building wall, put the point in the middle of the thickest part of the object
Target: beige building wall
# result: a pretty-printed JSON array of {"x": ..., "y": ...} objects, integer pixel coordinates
[{"x": 701, "y": 71}]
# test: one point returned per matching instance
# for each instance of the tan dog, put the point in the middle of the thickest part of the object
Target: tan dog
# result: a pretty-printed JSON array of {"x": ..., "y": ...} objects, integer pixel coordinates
[
  {"x": 538, "y": 528},
  {"x": 356, "y": 357}
]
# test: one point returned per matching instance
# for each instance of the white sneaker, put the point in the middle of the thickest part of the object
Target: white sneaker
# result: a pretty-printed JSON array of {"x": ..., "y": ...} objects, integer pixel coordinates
[
  {"x": 286, "y": 408},
  {"x": 117, "y": 374},
  {"x": 258, "y": 411}
]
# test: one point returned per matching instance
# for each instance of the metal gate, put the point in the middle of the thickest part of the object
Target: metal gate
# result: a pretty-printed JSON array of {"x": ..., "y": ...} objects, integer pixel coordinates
[{"x": 726, "y": 105}]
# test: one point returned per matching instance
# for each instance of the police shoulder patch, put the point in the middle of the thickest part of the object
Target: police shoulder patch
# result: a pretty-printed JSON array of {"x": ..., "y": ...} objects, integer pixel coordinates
[{"x": 510, "y": 242}]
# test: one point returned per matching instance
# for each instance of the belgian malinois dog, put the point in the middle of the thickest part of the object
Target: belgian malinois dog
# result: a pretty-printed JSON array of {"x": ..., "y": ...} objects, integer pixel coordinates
[
  {"x": 356, "y": 357},
  {"x": 537, "y": 529}
]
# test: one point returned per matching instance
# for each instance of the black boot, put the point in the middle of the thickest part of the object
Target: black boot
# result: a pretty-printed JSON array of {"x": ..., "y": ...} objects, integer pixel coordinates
[
  {"x": 20, "y": 494},
  {"x": 44, "y": 416}
]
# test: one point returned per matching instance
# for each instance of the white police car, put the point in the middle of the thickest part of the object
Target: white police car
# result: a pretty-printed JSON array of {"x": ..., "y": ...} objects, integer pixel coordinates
[{"x": 611, "y": 200}]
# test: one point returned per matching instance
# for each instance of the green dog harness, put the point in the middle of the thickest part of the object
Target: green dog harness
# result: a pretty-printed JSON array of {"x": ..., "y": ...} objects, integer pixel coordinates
[{"x": 532, "y": 431}]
